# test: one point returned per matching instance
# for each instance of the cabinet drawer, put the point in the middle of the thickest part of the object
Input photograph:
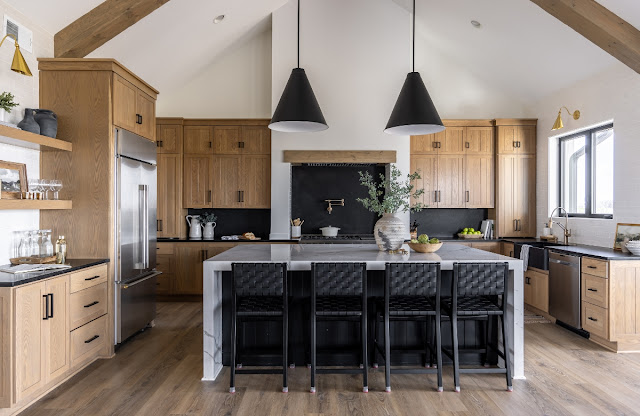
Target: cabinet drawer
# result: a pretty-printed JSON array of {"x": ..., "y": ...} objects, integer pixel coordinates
[
  {"x": 595, "y": 320},
  {"x": 165, "y": 263},
  {"x": 164, "y": 283},
  {"x": 88, "y": 278},
  {"x": 595, "y": 267},
  {"x": 164, "y": 248},
  {"x": 88, "y": 304},
  {"x": 595, "y": 290},
  {"x": 88, "y": 341}
]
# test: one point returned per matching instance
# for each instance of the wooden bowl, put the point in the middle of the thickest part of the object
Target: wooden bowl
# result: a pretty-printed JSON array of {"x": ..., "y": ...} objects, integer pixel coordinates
[
  {"x": 425, "y": 248},
  {"x": 470, "y": 236}
]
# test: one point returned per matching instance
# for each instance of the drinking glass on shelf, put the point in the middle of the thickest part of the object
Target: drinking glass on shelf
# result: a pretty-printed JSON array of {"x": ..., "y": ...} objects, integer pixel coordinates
[
  {"x": 55, "y": 185},
  {"x": 32, "y": 188},
  {"x": 23, "y": 247},
  {"x": 46, "y": 247},
  {"x": 34, "y": 247},
  {"x": 44, "y": 187}
]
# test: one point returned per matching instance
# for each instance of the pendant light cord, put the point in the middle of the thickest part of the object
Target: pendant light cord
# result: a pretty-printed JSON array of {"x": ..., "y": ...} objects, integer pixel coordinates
[
  {"x": 299, "y": 34},
  {"x": 413, "y": 59}
]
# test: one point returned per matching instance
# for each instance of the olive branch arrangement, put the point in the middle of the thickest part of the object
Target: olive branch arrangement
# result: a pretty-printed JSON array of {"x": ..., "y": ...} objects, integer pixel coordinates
[{"x": 396, "y": 193}]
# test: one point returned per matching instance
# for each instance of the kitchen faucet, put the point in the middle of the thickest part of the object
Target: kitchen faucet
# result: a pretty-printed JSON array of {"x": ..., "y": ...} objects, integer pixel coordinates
[
  {"x": 334, "y": 202},
  {"x": 565, "y": 227}
]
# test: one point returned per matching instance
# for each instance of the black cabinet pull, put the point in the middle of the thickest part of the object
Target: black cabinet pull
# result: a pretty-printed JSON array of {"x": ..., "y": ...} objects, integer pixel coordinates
[
  {"x": 91, "y": 304},
  {"x": 434, "y": 145},
  {"x": 592, "y": 267},
  {"x": 592, "y": 290},
  {"x": 239, "y": 200},
  {"x": 209, "y": 196},
  {"x": 51, "y": 294},
  {"x": 435, "y": 196},
  {"x": 466, "y": 145},
  {"x": 46, "y": 307},
  {"x": 93, "y": 338},
  {"x": 140, "y": 118},
  {"x": 467, "y": 196},
  {"x": 241, "y": 145},
  {"x": 439, "y": 145},
  {"x": 91, "y": 278},
  {"x": 241, "y": 196},
  {"x": 210, "y": 145},
  {"x": 592, "y": 319}
]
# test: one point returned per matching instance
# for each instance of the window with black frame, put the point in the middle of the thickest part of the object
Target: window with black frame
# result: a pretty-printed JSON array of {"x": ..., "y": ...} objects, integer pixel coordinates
[{"x": 586, "y": 172}]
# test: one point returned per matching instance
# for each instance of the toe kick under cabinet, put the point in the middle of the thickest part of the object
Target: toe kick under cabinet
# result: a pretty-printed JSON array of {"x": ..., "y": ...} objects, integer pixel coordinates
[
  {"x": 51, "y": 329},
  {"x": 610, "y": 306}
]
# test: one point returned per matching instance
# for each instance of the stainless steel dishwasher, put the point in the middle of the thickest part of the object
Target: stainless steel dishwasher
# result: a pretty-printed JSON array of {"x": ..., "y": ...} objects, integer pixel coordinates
[{"x": 564, "y": 288}]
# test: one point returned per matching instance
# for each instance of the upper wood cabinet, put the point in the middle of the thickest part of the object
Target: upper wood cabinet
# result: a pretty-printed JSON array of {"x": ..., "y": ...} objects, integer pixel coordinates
[
  {"x": 256, "y": 187},
  {"x": 241, "y": 140},
  {"x": 169, "y": 138},
  {"x": 451, "y": 184},
  {"x": 198, "y": 140},
  {"x": 426, "y": 144},
  {"x": 133, "y": 109},
  {"x": 453, "y": 142},
  {"x": 427, "y": 166},
  {"x": 479, "y": 141},
  {"x": 517, "y": 139},
  {"x": 169, "y": 214},
  {"x": 479, "y": 181},
  {"x": 516, "y": 195},
  {"x": 196, "y": 180},
  {"x": 242, "y": 181}
]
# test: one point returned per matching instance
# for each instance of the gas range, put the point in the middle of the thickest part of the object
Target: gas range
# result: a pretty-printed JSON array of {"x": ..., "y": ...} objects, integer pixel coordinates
[{"x": 339, "y": 239}]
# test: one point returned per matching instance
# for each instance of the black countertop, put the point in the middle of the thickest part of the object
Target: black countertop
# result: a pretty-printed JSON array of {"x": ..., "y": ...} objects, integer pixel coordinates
[
  {"x": 9, "y": 279},
  {"x": 219, "y": 240},
  {"x": 593, "y": 251}
]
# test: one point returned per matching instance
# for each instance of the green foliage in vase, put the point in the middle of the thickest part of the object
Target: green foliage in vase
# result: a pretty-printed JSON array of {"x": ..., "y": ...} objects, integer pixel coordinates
[
  {"x": 6, "y": 101},
  {"x": 208, "y": 217},
  {"x": 391, "y": 195}
]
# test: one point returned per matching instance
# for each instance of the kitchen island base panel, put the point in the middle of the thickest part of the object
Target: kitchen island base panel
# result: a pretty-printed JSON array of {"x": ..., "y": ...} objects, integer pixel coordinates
[{"x": 300, "y": 257}]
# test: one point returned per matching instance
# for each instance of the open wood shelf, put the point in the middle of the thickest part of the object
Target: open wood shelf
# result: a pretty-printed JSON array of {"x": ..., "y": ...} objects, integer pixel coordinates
[
  {"x": 17, "y": 137},
  {"x": 34, "y": 204}
]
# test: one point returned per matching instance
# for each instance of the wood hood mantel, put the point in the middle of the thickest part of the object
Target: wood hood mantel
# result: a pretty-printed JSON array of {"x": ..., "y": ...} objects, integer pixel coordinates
[{"x": 339, "y": 156}]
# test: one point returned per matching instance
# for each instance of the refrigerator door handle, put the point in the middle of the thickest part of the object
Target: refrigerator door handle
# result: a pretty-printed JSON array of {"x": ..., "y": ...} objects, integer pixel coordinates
[
  {"x": 137, "y": 282},
  {"x": 144, "y": 224}
]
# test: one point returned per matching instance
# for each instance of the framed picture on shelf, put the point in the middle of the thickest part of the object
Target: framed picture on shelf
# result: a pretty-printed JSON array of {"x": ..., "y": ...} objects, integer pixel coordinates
[
  {"x": 624, "y": 233},
  {"x": 13, "y": 180}
]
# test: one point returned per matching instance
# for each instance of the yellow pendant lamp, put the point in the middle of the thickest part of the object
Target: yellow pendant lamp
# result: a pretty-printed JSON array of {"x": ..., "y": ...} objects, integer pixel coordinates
[
  {"x": 18, "y": 65},
  {"x": 558, "y": 124}
]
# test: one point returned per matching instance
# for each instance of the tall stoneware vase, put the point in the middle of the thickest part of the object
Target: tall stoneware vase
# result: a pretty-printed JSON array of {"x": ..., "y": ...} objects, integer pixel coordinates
[{"x": 389, "y": 232}]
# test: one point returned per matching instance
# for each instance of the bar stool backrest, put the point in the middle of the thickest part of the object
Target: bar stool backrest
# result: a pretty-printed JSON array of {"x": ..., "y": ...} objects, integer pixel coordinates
[
  {"x": 338, "y": 279},
  {"x": 412, "y": 279},
  {"x": 480, "y": 279},
  {"x": 259, "y": 279}
]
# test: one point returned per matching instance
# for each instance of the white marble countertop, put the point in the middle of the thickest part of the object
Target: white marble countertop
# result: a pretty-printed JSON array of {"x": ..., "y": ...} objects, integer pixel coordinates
[{"x": 300, "y": 256}]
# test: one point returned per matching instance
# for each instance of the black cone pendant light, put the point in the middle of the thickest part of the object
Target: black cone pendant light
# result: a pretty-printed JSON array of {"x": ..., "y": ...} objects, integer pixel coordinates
[
  {"x": 414, "y": 112},
  {"x": 298, "y": 110}
]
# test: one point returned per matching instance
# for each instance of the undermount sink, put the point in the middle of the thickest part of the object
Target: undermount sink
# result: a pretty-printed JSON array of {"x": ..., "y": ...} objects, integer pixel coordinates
[{"x": 538, "y": 253}]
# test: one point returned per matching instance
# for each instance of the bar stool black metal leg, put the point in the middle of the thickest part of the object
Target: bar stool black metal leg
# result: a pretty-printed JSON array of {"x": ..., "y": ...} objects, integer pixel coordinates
[
  {"x": 232, "y": 375},
  {"x": 439, "y": 352},
  {"x": 387, "y": 355},
  {"x": 285, "y": 349},
  {"x": 505, "y": 343},
  {"x": 487, "y": 341},
  {"x": 365, "y": 363},
  {"x": 313, "y": 352},
  {"x": 374, "y": 346},
  {"x": 456, "y": 364},
  {"x": 428, "y": 357}
]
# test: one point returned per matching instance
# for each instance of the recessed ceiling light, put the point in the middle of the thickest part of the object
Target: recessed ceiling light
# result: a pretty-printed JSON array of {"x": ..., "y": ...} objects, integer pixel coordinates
[
  {"x": 218, "y": 19},
  {"x": 475, "y": 23}
]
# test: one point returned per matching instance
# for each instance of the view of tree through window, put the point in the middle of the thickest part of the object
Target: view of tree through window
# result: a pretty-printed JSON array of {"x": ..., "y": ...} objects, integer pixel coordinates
[{"x": 586, "y": 172}]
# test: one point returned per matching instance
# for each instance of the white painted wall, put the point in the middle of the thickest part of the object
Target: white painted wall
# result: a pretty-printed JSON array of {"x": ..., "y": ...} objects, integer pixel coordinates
[
  {"x": 236, "y": 85},
  {"x": 613, "y": 94},
  {"x": 26, "y": 91}
]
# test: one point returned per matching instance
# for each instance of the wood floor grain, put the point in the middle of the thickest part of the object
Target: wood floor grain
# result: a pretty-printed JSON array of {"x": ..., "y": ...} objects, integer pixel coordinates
[{"x": 158, "y": 373}]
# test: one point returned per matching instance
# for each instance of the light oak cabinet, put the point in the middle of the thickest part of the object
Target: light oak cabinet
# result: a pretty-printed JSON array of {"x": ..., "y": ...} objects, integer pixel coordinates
[
  {"x": 517, "y": 139},
  {"x": 198, "y": 140},
  {"x": 536, "y": 289},
  {"x": 133, "y": 109},
  {"x": 228, "y": 181},
  {"x": 169, "y": 211},
  {"x": 456, "y": 165},
  {"x": 516, "y": 193},
  {"x": 196, "y": 179},
  {"x": 169, "y": 138}
]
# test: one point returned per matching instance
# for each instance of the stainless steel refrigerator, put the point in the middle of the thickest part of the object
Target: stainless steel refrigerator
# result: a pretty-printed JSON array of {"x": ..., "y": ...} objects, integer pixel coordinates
[{"x": 135, "y": 233}]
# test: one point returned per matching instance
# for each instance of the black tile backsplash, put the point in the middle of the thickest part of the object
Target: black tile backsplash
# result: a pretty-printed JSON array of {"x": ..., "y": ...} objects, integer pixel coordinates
[
  {"x": 238, "y": 221},
  {"x": 311, "y": 185},
  {"x": 441, "y": 222}
]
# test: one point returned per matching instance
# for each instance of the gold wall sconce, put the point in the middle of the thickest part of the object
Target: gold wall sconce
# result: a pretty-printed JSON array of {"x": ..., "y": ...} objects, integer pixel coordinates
[
  {"x": 558, "y": 124},
  {"x": 18, "y": 65}
]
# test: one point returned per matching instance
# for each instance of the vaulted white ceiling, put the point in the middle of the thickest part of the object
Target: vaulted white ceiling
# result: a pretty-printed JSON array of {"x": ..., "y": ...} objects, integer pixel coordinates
[{"x": 519, "y": 49}]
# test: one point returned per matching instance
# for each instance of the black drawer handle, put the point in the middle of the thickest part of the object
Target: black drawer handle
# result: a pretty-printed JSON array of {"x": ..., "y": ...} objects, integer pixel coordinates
[
  {"x": 46, "y": 307},
  {"x": 91, "y": 304},
  {"x": 592, "y": 267},
  {"x": 593, "y": 319},
  {"x": 92, "y": 278},
  {"x": 592, "y": 290},
  {"x": 93, "y": 338}
]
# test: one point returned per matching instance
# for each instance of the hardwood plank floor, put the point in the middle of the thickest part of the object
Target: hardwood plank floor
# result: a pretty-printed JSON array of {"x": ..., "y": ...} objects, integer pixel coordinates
[{"x": 158, "y": 373}]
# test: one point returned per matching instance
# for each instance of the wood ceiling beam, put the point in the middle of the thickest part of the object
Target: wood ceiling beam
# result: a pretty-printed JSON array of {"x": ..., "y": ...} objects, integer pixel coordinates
[
  {"x": 599, "y": 25},
  {"x": 100, "y": 25}
]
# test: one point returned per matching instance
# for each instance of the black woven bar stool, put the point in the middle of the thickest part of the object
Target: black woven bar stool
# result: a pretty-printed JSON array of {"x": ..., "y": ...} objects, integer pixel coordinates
[
  {"x": 259, "y": 292},
  {"x": 339, "y": 292},
  {"x": 479, "y": 293},
  {"x": 412, "y": 293}
]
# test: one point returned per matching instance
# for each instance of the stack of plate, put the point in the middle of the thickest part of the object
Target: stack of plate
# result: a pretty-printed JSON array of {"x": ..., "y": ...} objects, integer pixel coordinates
[{"x": 634, "y": 247}]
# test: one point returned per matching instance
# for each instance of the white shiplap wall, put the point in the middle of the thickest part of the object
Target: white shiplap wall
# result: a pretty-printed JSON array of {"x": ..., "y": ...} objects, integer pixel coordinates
[
  {"x": 613, "y": 94},
  {"x": 26, "y": 91}
]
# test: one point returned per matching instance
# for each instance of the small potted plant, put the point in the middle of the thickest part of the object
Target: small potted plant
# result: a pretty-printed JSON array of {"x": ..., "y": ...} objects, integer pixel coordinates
[
  {"x": 6, "y": 105},
  {"x": 386, "y": 198},
  {"x": 209, "y": 221}
]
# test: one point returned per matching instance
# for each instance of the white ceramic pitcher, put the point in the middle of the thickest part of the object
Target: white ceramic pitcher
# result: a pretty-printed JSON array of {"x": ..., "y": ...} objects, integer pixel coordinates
[
  {"x": 195, "y": 227},
  {"x": 208, "y": 231}
]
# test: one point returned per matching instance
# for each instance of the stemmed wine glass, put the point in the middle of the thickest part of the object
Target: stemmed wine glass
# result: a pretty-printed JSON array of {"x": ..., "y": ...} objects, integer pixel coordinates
[
  {"x": 44, "y": 188},
  {"x": 33, "y": 185},
  {"x": 55, "y": 185}
]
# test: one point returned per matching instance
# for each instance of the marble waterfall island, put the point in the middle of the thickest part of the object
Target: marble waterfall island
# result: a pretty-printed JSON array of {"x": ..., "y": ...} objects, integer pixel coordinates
[{"x": 299, "y": 258}]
